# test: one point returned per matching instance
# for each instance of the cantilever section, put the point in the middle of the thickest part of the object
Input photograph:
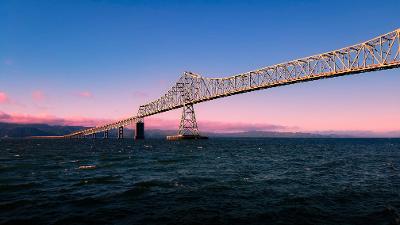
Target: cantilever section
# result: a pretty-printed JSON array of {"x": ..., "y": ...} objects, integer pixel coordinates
[{"x": 379, "y": 53}]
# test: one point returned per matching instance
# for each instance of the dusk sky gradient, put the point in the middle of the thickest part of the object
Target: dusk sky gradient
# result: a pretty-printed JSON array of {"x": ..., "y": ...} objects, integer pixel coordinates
[{"x": 89, "y": 62}]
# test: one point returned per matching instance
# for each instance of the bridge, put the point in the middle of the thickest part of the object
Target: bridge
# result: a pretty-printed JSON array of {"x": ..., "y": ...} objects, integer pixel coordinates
[{"x": 380, "y": 53}]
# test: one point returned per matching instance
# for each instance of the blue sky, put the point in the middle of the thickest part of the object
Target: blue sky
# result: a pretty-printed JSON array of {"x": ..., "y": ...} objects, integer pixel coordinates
[{"x": 102, "y": 59}]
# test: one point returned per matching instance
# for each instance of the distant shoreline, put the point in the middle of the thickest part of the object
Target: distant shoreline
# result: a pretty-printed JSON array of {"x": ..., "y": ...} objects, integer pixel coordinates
[
  {"x": 45, "y": 131},
  {"x": 210, "y": 137},
  {"x": 44, "y": 137}
]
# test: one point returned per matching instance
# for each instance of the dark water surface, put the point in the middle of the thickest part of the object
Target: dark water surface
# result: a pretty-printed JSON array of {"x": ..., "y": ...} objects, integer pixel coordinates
[{"x": 216, "y": 181}]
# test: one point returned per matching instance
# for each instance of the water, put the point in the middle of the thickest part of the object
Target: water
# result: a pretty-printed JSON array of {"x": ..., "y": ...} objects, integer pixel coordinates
[{"x": 216, "y": 181}]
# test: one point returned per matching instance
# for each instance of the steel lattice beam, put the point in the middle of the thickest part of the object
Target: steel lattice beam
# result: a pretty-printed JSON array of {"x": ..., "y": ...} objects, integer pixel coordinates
[{"x": 380, "y": 53}]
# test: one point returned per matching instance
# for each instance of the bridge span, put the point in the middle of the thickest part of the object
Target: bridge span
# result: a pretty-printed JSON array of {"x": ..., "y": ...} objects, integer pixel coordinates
[{"x": 380, "y": 53}]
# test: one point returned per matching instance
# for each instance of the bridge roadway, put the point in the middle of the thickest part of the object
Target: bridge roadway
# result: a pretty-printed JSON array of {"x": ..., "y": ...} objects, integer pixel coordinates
[{"x": 379, "y": 53}]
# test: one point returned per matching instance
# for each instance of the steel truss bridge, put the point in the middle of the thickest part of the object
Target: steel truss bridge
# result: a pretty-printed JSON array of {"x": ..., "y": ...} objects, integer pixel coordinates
[{"x": 380, "y": 53}]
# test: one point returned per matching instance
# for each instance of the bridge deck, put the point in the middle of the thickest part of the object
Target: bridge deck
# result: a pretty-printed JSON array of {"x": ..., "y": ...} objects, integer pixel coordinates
[{"x": 380, "y": 53}]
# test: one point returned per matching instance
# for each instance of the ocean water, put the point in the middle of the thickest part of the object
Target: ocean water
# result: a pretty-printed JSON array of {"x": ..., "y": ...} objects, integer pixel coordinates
[{"x": 215, "y": 181}]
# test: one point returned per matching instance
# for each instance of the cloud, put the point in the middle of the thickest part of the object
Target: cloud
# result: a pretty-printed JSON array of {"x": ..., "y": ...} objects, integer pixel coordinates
[
  {"x": 164, "y": 124},
  {"x": 151, "y": 123},
  {"x": 140, "y": 94},
  {"x": 240, "y": 127},
  {"x": 219, "y": 127},
  {"x": 4, "y": 99},
  {"x": 8, "y": 62},
  {"x": 230, "y": 127},
  {"x": 38, "y": 95},
  {"x": 49, "y": 119},
  {"x": 162, "y": 82},
  {"x": 85, "y": 94}
]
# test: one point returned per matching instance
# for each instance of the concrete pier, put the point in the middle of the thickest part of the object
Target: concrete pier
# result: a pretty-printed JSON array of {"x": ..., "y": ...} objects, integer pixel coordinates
[
  {"x": 139, "y": 131},
  {"x": 120, "y": 132}
]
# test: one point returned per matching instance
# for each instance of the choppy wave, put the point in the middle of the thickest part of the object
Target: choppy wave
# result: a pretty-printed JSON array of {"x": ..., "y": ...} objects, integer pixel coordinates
[{"x": 226, "y": 181}]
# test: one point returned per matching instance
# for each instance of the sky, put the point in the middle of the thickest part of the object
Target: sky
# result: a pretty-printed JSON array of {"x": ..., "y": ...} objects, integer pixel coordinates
[{"x": 90, "y": 62}]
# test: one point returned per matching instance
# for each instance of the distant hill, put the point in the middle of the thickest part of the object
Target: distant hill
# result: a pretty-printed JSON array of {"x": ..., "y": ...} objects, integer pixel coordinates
[
  {"x": 271, "y": 134},
  {"x": 13, "y": 130},
  {"x": 259, "y": 134},
  {"x": 10, "y": 130}
]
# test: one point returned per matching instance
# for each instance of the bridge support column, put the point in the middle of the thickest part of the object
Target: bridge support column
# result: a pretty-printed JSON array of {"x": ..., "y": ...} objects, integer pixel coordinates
[
  {"x": 94, "y": 135},
  {"x": 105, "y": 134},
  {"x": 139, "y": 131},
  {"x": 188, "y": 127},
  {"x": 120, "y": 132}
]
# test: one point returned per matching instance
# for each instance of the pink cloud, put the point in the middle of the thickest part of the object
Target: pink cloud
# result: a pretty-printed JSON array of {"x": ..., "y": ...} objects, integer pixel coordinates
[
  {"x": 85, "y": 94},
  {"x": 4, "y": 98},
  {"x": 151, "y": 123},
  {"x": 140, "y": 94},
  {"x": 51, "y": 120},
  {"x": 164, "y": 124},
  {"x": 239, "y": 127},
  {"x": 38, "y": 95},
  {"x": 162, "y": 82},
  {"x": 219, "y": 127}
]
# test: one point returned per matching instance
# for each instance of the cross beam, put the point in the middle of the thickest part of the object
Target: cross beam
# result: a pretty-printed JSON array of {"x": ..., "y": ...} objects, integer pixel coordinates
[{"x": 380, "y": 53}]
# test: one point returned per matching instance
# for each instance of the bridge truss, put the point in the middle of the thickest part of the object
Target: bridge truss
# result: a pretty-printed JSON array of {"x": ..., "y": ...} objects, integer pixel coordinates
[{"x": 380, "y": 53}]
